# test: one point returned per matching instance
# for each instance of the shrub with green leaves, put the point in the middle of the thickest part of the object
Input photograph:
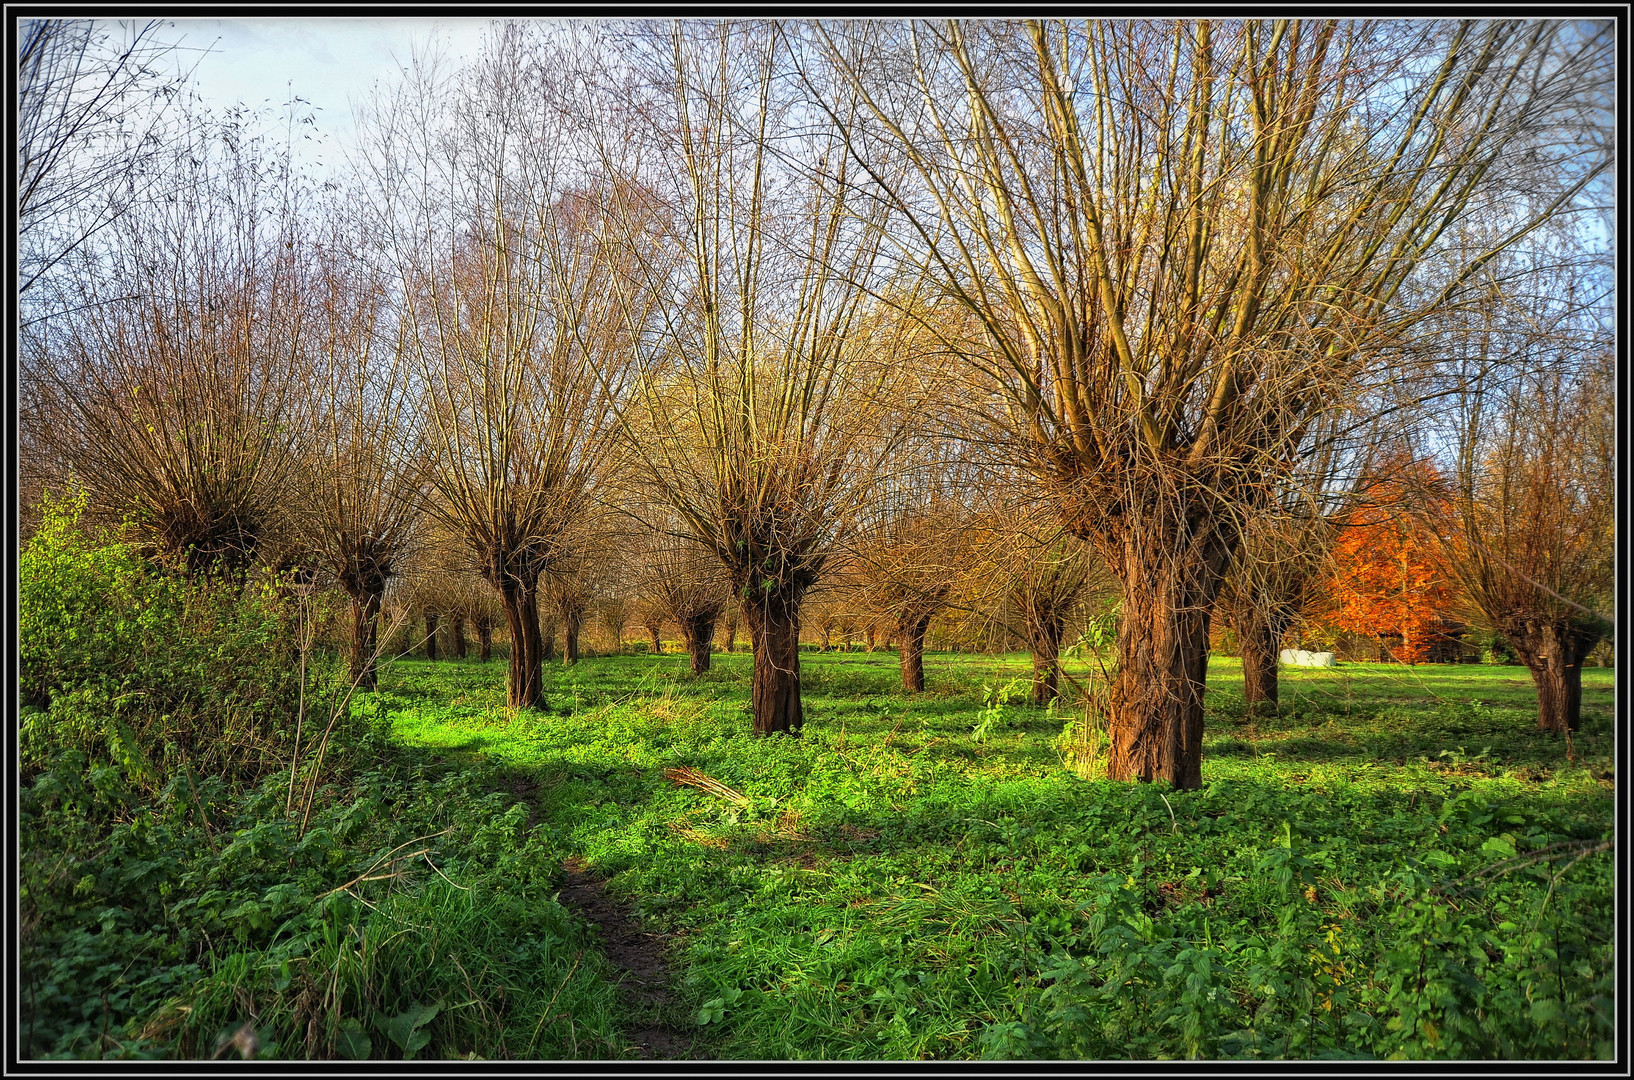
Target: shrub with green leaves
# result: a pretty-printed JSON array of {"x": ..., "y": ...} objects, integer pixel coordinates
[{"x": 132, "y": 664}]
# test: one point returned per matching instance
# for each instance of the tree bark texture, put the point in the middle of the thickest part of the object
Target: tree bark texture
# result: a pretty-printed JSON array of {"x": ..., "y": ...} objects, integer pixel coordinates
[
  {"x": 1553, "y": 651},
  {"x": 547, "y": 639},
  {"x": 657, "y": 644},
  {"x": 912, "y": 632},
  {"x": 456, "y": 627},
  {"x": 1044, "y": 639},
  {"x": 1259, "y": 638},
  {"x": 485, "y": 638},
  {"x": 774, "y": 633},
  {"x": 572, "y": 622},
  {"x": 1156, "y": 721},
  {"x": 731, "y": 631},
  {"x": 431, "y": 635},
  {"x": 523, "y": 681},
  {"x": 365, "y": 634},
  {"x": 699, "y": 632}
]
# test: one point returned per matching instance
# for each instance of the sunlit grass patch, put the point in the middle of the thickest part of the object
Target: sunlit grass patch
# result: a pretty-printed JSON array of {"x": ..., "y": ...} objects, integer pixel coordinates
[{"x": 920, "y": 875}]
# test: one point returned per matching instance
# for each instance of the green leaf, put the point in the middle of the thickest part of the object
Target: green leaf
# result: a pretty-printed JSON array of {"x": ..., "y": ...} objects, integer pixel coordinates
[
  {"x": 353, "y": 1043},
  {"x": 404, "y": 1028}
]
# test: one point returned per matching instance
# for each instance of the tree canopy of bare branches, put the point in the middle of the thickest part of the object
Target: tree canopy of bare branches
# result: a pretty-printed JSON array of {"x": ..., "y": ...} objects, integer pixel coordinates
[
  {"x": 762, "y": 411},
  {"x": 95, "y": 133},
  {"x": 1186, "y": 241},
  {"x": 176, "y": 385},
  {"x": 505, "y": 275}
]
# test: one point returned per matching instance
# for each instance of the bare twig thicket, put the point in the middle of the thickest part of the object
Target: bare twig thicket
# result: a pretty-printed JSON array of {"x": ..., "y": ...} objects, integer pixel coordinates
[
  {"x": 176, "y": 386},
  {"x": 761, "y": 414},
  {"x": 1187, "y": 241},
  {"x": 509, "y": 305},
  {"x": 96, "y": 126},
  {"x": 1530, "y": 532}
]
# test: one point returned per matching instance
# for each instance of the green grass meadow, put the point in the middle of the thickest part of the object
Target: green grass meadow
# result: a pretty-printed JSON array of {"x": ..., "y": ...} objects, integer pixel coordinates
[{"x": 1395, "y": 864}]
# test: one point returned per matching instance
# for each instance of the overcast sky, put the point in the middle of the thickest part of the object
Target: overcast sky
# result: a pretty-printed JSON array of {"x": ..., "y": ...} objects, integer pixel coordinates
[{"x": 329, "y": 62}]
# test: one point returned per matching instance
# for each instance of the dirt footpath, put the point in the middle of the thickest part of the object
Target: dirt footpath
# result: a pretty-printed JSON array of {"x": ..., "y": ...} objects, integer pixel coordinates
[{"x": 658, "y": 1032}]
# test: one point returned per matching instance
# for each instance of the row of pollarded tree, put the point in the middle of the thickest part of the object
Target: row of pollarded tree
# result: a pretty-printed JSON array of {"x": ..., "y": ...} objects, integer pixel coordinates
[
  {"x": 948, "y": 549},
  {"x": 1156, "y": 269}
]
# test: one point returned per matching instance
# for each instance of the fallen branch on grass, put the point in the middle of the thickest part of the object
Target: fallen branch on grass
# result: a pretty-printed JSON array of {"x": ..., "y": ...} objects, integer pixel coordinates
[{"x": 694, "y": 778}]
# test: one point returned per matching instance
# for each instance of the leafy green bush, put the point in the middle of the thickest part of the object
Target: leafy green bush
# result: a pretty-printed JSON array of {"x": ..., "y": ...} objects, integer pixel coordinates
[
  {"x": 177, "y": 881},
  {"x": 134, "y": 665}
]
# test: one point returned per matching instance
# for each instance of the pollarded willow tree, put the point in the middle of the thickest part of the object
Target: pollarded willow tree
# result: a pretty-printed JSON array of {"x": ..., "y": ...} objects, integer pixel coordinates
[
  {"x": 173, "y": 380},
  {"x": 361, "y": 459},
  {"x": 506, "y": 275},
  {"x": 1188, "y": 241},
  {"x": 1029, "y": 579},
  {"x": 687, "y": 580},
  {"x": 910, "y": 548},
  {"x": 764, "y": 409},
  {"x": 1531, "y": 535},
  {"x": 1526, "y": 514},
  {"x": 1285, "y": 549}
]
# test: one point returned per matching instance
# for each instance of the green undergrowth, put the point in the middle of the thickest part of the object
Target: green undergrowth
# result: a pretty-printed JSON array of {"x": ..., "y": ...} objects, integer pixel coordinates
[
  {"x": 183, "y": 896},
  {"x": 222, "y": 852},
  {"x": 412, "y": 917},
  {"x": 1395, "y": 864}
]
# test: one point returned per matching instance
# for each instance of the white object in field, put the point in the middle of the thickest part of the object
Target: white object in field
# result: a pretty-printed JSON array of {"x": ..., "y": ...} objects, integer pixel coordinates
[{"x": 1301, "y": 658}]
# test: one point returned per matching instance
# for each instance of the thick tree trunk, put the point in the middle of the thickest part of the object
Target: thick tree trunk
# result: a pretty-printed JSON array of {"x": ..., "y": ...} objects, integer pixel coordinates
[
  {"x": 731, "y": 631},
  {"x": 365, "y": 634},
  {"x": 457, "y": 634},
  {"x": 774, "y": 633},
  {"x": 699, "y": 633},
  {"x": 657, "y": 644},
  {"x": 1553, "y": 652},
  {"x": 1156, "y": 722},
  {"x": 1044, "y": 639},
  {"x": 485, "y": 638},
  {"x": 431, "y": 635},
  {"x": 524, "y": 681},
  {"x": 571, "y": 624},
  {"x": 873, "y": 637},
  {"x": 912, "y": 631}
]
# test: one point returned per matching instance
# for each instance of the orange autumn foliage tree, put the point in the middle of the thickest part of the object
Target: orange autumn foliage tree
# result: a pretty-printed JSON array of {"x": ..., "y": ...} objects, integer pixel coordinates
[{"x": 1389, "y": 578}]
